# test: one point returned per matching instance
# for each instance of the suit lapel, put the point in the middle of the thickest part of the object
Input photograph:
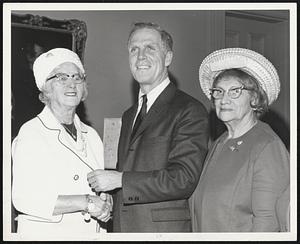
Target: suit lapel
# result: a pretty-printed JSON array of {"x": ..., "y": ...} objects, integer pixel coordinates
[
  {"x": 127, "y": 127},
  {"x": 158, "y": 107}
]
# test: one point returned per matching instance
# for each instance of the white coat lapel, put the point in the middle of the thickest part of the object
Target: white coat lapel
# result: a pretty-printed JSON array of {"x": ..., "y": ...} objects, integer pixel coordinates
[{"x": 78, "y": 148}]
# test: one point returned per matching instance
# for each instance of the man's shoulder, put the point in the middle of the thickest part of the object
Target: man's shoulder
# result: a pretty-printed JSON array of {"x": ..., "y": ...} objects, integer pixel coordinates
[
  {"x": 181, "y": 94},
  {"x": 130, "y": 109},
  {"x": 182, "y": 99}
]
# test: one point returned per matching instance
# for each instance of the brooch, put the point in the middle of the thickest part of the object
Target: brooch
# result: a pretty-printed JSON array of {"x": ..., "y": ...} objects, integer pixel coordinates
[{"x": 235, "y": 147}]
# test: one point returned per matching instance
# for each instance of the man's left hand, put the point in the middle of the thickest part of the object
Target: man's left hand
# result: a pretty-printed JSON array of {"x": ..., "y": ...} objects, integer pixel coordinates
[{"x": 104, "y": 180}]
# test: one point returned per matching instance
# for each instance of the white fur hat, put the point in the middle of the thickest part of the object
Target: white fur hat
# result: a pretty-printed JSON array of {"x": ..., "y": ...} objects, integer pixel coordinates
[
  {"x": 247, "y": 60},
  {"x": 48, "y": 61}
]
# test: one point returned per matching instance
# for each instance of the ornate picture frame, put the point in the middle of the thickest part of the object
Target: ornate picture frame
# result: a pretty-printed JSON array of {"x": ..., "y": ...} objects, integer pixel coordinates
[{"x": 74, "y": 27}]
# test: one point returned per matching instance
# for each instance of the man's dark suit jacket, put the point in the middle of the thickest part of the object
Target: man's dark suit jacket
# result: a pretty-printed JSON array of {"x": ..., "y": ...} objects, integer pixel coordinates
[{"x": 161, "y": 164}]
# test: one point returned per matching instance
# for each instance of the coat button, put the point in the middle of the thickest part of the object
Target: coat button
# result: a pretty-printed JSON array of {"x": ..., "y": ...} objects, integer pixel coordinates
[{"x": 76, "y": 177}]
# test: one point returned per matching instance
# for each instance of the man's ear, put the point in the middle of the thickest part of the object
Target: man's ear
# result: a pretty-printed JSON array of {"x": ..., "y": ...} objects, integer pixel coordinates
[{"x": 168, "y": 59}]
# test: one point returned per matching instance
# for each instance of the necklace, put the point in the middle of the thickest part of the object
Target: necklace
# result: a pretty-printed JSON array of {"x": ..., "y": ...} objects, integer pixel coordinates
[{"x": 71, "y": 129}]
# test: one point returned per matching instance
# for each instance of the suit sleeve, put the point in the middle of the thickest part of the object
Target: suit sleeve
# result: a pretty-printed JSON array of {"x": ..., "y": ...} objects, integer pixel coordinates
[
  {"x": 270, "y": 179},
  {"x": 179, "y": 177}
]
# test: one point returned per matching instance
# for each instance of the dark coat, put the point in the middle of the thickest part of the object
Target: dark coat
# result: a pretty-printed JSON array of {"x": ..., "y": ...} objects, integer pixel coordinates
[
  {"x": 243, "y": 184},
  {"x": 161, "y": 164}
]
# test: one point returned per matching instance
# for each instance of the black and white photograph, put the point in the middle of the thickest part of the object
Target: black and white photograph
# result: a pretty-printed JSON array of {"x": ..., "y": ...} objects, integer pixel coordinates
[{"x": 150, "y": 121}]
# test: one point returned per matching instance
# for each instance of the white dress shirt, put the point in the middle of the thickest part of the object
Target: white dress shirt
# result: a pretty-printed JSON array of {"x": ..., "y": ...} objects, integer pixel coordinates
[{"x": 151, "y": 96}]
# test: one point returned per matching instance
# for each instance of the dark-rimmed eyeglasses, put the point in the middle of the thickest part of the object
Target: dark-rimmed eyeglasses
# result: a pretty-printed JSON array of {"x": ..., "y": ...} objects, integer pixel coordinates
[
  {"x": 62, "y": 78},
  {"x": 234, "y": 93}
]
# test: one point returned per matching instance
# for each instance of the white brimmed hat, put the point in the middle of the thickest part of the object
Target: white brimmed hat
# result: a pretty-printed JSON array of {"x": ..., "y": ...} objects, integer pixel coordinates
[
  {"x": 48, "y": 61},
  {"x": 247, "y": 60}
]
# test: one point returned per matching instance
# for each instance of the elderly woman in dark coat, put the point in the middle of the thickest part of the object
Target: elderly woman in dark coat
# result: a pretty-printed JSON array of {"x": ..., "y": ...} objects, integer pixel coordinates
[{"x": 247, "y": 168}]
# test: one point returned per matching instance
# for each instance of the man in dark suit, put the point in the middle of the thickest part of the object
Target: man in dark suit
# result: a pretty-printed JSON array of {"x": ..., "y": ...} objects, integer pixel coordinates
[{"x": 162, "y": 144}]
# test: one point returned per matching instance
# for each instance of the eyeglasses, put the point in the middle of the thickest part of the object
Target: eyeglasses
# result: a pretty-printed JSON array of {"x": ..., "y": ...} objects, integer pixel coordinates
[
  {"x": 234, "y": 93},
  {"x": 62, "y": 78}
]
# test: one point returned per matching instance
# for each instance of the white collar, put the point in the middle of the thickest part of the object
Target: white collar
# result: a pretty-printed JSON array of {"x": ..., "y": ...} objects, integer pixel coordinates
[
  {"x": 154, "y": 93},
  {"x": 51, "y": 122}
]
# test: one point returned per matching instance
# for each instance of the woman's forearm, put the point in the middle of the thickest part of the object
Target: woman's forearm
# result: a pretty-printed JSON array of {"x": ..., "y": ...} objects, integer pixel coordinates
[{"x": 70, "y": 204}]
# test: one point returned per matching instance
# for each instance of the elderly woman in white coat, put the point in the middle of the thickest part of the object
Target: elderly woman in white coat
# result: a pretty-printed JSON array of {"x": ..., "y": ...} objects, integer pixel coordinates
[{"x": 53, "y": 153}]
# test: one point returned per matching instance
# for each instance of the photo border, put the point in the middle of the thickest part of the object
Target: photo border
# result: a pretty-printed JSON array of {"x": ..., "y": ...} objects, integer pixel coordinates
[{"x": 292, "y": 7}]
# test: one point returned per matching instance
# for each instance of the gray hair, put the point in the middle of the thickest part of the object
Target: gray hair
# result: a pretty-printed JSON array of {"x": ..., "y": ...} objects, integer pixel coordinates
[
  {"x": 260, "y": 101},
  {"x": 165, "y": 36}
]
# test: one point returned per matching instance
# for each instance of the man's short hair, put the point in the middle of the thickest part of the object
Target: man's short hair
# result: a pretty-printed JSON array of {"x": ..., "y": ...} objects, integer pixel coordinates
[{"x": 165, "y": 36}]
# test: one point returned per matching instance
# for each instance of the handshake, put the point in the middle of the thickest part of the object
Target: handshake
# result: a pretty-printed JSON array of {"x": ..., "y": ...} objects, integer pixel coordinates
[{"x": 100, "y": 207}]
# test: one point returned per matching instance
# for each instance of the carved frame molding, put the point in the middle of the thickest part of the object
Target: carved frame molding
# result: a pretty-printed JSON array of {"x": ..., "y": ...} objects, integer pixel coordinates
[{"x": 75, "y": 27}]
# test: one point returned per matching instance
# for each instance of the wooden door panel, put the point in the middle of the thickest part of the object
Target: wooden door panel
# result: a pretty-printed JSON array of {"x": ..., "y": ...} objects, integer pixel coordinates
[{"x": 269, "y": 37}]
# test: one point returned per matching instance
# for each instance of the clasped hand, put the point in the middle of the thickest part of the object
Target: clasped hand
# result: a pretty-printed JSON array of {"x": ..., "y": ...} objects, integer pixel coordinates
[
  {"x": 104, "y": 180},
  {"x": 103, "y": 207}
]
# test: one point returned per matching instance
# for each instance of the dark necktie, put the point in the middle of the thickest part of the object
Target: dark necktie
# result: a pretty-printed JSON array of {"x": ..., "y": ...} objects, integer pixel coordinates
[{"x": 140, "y": 116}]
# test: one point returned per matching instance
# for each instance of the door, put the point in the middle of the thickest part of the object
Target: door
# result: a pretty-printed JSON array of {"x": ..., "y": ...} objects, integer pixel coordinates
[{"x": 266, "y": 32}]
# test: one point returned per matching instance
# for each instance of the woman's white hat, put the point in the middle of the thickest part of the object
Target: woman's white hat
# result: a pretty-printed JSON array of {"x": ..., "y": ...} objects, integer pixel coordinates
[
  {"x": 48, "y": 61},
  {"x": 247, "y": 60}
]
